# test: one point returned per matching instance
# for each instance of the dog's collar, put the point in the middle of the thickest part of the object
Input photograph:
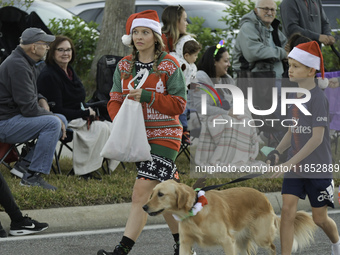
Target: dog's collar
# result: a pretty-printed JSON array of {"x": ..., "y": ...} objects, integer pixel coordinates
[{"x": 201, "y": 201}]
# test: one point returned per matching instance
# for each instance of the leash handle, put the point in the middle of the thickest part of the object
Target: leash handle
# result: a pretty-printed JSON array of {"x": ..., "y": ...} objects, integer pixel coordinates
[{"x": 244, "y": 178}]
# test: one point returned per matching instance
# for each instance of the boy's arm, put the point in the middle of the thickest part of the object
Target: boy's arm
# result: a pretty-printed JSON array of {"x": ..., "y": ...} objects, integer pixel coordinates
[
  {"x": 285, "y": 142},
  {"x": 309, "y": 147},
  {"x": 283, "y": 145}
]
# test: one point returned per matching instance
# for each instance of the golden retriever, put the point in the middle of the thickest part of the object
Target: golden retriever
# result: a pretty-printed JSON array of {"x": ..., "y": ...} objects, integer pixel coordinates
[{"x": 238, "y": 219}]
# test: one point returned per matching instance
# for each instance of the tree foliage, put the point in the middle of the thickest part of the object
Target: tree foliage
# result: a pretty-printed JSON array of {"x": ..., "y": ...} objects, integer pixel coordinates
[
  {"x": 204, "y": 35},
  {"x": 331, "y": 61}
]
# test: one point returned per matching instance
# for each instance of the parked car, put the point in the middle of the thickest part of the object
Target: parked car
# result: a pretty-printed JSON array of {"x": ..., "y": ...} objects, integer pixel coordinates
[
  {"x": 211, "y": 11},
  {"x": 45, "y": 10},
  {"x": 332, "y": 10}
]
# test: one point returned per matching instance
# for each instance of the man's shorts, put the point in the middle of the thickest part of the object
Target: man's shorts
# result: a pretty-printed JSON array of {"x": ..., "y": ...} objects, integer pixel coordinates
[
  {"x": 160, "y": 169},
  {"x": 320, "y": 191}
]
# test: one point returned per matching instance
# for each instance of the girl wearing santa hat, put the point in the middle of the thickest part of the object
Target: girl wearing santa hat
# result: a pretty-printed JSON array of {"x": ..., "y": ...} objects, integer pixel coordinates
[
  {"x": 163, "y": 98},
  {"x": 309, "y": 155}
]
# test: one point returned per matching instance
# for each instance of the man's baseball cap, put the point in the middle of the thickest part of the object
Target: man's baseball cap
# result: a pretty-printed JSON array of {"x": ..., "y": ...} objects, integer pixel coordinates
[{"x": 33, "y": 34}]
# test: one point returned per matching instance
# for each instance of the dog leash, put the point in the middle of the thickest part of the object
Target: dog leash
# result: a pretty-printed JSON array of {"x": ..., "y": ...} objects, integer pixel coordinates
[{"x": 243, "y": 178}]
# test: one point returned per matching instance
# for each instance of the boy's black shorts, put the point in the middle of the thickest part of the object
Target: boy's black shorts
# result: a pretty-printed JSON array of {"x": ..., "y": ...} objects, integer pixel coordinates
[{"x": 320, "y": 191}]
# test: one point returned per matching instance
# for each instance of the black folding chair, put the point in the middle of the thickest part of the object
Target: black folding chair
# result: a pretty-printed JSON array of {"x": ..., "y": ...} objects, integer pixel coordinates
[{"x": 194, "y": 133}]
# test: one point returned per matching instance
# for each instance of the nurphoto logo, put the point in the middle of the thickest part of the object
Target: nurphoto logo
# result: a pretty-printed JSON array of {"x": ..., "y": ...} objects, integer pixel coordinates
[{"x": 239, "y": 104}]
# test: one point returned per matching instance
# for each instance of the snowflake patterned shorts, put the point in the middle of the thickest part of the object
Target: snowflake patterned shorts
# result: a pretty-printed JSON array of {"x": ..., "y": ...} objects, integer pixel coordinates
[{"x": 160, "y": 169}]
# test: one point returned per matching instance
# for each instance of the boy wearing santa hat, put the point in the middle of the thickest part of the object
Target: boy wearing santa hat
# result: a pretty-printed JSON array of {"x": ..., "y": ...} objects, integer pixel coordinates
[{"x": 309, "y": 154}]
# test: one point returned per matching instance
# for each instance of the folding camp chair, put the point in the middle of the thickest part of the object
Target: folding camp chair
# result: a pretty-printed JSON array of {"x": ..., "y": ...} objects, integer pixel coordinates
[
  {"x": 8, "y": 154},
  {"x": 194, "y": 133},
  {"x": 69, "y": 139},
  {"x": 106, "y": 67}
]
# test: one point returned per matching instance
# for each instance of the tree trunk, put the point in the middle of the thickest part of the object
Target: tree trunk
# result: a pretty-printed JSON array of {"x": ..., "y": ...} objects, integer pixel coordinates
[{"x": 116, "y": 13}]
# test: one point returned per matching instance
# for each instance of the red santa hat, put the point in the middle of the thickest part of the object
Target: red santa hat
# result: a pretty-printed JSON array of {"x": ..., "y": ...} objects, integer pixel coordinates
[
  {"x": 310, "y": 55},
  {"x": 148, "y": 18}
]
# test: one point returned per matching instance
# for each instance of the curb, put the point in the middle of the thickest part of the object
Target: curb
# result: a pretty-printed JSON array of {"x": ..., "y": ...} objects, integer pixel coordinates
[{"x": 85, "y": 218}]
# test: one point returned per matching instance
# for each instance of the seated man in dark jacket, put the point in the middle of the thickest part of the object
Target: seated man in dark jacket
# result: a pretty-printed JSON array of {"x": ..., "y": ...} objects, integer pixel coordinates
[{"x": 24, "y": 114}]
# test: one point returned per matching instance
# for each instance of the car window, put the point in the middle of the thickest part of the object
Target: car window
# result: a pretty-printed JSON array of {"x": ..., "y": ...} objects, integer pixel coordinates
[
  {"x": 210, "y": 15},
  {"x": 89, "y": 15},
  {"x": 99, "y": 19},
  {"x": 332, "y": 13},
  {"x": 158, "y": 8}
]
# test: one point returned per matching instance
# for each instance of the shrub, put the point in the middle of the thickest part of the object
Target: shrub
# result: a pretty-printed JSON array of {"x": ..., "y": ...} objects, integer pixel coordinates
[
  {"x": 331, "y": 61},
  {"x": 204, "y": 35}
]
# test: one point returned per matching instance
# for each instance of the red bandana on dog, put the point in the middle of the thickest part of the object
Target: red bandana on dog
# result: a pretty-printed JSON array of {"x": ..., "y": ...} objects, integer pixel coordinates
[{"x": 201, "y": 201}]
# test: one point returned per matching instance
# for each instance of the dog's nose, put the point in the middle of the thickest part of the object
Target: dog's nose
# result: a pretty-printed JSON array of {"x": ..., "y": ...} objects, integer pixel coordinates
[{"x": 145, "y": 208}]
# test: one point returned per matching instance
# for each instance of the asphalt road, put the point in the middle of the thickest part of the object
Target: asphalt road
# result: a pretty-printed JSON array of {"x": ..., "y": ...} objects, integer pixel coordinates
[{"x": 154, "y": 240}]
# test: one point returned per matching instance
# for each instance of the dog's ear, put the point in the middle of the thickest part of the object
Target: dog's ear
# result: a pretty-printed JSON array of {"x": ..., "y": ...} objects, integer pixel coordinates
[{"x": 183, "y": 197}]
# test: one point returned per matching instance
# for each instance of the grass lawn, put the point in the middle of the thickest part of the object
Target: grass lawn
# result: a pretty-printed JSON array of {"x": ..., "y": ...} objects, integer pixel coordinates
[{"x": 113, "y": 188}]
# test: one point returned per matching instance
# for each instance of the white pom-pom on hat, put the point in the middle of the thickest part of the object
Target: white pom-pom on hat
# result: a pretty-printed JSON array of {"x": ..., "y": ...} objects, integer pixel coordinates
[
  {"x": 322, "y": 83},
  {"x": 127, "y": 40}
]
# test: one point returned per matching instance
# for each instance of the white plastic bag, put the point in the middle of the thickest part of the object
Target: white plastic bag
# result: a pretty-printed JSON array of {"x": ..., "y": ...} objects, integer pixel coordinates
[{"x": 128, "y": 141}]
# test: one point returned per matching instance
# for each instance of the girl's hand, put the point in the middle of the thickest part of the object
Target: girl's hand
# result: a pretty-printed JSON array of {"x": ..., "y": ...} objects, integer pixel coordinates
[{"x": 136, "y": 94}]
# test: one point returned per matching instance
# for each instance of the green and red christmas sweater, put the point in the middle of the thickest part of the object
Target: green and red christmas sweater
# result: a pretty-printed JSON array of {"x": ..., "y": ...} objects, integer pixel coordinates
[{"x": 163, "y": 100}]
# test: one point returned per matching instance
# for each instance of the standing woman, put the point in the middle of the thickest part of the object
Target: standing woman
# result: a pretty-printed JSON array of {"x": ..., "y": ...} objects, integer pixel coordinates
[
  {"x": 163, "y": 98},
  {"x": 175, "y": 24}
]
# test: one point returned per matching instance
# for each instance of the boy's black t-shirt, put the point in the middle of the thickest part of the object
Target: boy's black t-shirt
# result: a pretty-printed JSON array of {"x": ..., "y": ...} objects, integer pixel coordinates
[{"x": 319, "y": 163}]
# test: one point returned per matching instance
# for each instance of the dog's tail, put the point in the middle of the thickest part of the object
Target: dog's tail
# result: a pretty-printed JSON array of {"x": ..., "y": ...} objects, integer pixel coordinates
[{"x": 304, "y": 229}]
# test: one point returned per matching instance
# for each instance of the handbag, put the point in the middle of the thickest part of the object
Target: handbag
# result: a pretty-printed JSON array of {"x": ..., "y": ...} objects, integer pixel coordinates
[{"x": 128, "y": 141}]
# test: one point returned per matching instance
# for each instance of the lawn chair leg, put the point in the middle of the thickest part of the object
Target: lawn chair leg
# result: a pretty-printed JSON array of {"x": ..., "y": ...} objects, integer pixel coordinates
[{"x": 56, "y": 158}]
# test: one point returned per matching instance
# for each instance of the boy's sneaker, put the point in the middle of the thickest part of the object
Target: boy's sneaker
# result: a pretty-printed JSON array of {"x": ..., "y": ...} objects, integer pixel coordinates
[
  {"x": 117, "y": 251},
  {"x": 26, "y": 226},
  {"x": 176, "y": 248},
  {"x": 3, "y": 233},
  {"x": 35, "y": 180},
  {"x": 19, "y": 169}
]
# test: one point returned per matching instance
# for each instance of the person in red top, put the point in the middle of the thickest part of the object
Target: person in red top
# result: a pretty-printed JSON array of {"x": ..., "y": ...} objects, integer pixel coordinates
[
  {"x": 175, "y": 24},
  {"x": 163, "y": 98}
]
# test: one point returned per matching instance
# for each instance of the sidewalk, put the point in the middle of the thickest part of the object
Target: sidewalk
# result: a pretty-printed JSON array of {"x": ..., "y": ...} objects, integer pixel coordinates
[{"x": 70, "y": 219}]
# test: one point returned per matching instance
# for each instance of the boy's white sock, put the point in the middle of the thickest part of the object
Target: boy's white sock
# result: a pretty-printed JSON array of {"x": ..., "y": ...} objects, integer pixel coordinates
[{"x": 336, "y": 248}]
